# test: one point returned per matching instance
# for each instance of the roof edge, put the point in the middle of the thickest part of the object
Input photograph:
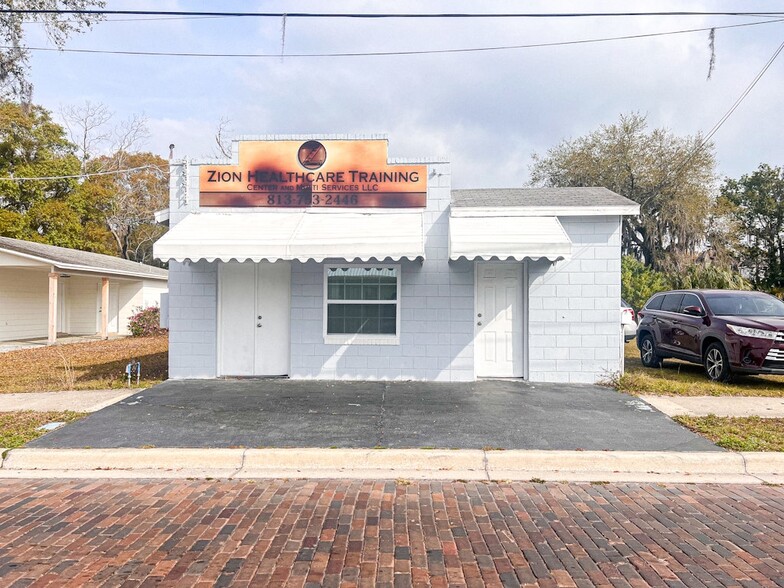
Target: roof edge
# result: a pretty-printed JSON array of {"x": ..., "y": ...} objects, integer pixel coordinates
[{"x": 605, "y": 210}]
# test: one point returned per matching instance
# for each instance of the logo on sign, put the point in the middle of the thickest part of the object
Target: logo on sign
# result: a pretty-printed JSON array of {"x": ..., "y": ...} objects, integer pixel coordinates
[{"x": 312, "y": 155}]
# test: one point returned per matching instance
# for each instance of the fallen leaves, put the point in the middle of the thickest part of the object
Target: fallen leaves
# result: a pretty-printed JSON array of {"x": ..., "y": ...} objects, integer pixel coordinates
[{"x": 92, "y": 365}]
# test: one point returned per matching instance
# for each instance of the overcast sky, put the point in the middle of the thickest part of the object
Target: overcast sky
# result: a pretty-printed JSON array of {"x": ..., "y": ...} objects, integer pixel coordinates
[{"x": 486, "y": 111}]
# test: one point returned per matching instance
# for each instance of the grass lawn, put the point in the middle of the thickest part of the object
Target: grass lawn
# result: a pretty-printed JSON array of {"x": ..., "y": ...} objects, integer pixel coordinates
[
  {"x": 83, "y": 366},
  {"x": 738, "y": 433},
  {"x": 17, "y": 428},
  {"x": 686, "y": 379}
]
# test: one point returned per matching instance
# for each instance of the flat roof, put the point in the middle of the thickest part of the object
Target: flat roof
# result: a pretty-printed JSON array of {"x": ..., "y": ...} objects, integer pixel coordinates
[{"x": 75, "y": 260}]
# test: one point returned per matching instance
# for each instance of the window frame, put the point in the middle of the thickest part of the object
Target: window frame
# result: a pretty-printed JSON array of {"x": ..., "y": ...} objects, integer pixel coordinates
[
  {"x": 684, "y": 305},
  {"x": 677, "y": 306},
  {"x": 360, "y": 338}
]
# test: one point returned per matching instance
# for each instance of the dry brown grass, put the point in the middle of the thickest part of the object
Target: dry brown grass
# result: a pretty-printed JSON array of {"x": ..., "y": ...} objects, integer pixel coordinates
[
  {"x": 83, "y": 366},
  {"x": 739, "y": 433},
  {"x": 17, "y": 428},
  {"x": 687, "y": 379}
]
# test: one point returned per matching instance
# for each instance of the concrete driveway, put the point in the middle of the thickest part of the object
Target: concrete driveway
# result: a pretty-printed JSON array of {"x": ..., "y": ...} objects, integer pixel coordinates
[{"x": 286, "y": 413}]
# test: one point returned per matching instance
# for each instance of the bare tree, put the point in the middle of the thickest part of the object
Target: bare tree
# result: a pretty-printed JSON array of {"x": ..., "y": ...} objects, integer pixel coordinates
[
  {"x": 86, "y": 124},
  {"x": 223, "y": 138},
  {"x": 130, "y": 133},
  {"x": 90, "y": 130}
]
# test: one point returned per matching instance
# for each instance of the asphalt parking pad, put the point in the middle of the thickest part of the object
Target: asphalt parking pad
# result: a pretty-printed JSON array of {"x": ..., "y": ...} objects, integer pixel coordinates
[{"x": 288, "y": 413}]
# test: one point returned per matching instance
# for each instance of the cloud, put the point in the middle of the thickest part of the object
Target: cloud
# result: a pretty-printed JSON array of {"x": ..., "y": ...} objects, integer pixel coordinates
[{"x": 487, "y": 111}]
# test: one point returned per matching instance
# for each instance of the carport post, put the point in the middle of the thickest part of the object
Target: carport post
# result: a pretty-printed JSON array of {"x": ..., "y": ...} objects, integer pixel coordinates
[
  {"x": 53, "y": 283},
  {"x": 104, "y": 308}
]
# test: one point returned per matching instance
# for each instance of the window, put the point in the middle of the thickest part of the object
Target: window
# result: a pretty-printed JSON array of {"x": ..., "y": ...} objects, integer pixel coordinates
[
  {"x": 655, "y": 303},
  {"x": 361, "y": 304},
  {"x": 690, "y": 300},
  {"x": 672, "y": 302}
]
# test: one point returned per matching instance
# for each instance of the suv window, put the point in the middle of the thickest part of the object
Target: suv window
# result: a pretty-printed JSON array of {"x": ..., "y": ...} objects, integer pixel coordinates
[
  {"x": 672, "y": 302},
  {"x": 655, "y": 303},
  {"x": 690, "y": 300}
]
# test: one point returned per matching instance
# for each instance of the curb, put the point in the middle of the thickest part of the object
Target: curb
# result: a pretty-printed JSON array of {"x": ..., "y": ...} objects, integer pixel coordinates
[{"x": 471, "y": 464}]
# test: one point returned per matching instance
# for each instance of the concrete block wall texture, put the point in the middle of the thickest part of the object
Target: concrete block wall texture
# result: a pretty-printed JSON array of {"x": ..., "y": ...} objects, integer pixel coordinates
[
  {"x": 193, "y": 335},
  {"x": 436, "y": 313},
  {"x": 574, "y": 306}
]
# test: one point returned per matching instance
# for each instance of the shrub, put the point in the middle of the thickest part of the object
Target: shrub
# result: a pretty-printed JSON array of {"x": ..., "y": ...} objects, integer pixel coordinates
[
  {"x": 146, "y": 322},
  {"x": 710, "y": 276},
  {"x": 639, "y": 282}
]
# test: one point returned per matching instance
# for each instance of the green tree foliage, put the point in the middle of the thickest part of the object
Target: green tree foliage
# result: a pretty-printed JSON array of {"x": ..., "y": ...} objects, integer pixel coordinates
[
  {"x": 668, "y": 175},
  {"x": 49, "y": 211},
  {"x": 639, "y": 282},
  {"x": 129, "y": 200},
  {"x": 14, "y": 55},
  {"x": 710, "y": 277},
  {"x": 33, "y": 146},
  {"x": 756, "y": 206}
]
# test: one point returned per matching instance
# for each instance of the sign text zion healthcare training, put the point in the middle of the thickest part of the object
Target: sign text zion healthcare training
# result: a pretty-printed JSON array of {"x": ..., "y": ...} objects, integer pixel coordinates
[{"x": 333, "y": 173}]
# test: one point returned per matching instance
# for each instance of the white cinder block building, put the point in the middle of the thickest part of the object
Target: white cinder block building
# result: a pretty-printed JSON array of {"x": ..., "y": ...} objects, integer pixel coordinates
[{"x": 317, "y": 257}]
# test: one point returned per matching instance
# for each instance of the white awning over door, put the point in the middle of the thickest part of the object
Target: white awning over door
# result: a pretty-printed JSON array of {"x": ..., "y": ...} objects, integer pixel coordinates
[
  {"x": 507, "y": 237},
  {"x": 299, "y": 235}
]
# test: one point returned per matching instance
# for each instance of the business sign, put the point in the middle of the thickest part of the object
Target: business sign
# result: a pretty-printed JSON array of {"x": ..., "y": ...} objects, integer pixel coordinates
[{"x": 313, "y": 173}]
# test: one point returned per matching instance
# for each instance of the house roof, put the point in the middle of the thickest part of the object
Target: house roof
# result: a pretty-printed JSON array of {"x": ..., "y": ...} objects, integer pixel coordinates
[
  {"x": 74, "y": 260},
  {"x": 559, "y": 201}
]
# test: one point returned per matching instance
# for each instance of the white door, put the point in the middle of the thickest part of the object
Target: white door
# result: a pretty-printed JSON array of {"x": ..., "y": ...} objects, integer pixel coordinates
[
  {"x": 499, "y": 320},
  {"x": 254, "y": 319}
]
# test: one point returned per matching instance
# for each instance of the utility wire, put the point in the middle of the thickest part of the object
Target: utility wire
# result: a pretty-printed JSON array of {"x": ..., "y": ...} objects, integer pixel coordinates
[
  {"x": 731, "y": 110},
  {"x": 397, "y": 53},
  {"x": 79, "y": 176},
  {"x": 380, "y": 15}
]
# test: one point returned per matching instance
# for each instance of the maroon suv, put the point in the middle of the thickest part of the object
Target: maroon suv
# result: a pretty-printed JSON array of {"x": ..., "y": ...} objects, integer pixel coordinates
[{"x": 727, "y": 331}]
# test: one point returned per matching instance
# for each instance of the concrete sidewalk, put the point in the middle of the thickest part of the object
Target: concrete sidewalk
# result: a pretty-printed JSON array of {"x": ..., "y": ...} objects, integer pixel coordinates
[
  {"x": 466, "y": 464},
  {"x": 725, "y": 406},
  {"x": 75, "y": 400}
]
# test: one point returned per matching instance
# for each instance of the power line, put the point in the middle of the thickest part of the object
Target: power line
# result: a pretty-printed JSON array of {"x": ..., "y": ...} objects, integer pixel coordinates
[
  {"x": 726, "y": 116},
  {"x": 381, "y": 15},
  {"x": 80, "y": 176},
  {"x": 745, "y": 93},
  {"x": 396, "y": 53}
]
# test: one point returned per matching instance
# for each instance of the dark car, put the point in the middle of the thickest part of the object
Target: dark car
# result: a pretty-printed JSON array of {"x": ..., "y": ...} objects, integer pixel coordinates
[{"x": 727, "y": 331}]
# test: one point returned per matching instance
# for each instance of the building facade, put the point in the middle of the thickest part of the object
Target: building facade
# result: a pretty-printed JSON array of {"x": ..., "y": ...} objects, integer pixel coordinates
[
  {"x": 48, "y": 291},
  {"x": 317, "y": 257}
]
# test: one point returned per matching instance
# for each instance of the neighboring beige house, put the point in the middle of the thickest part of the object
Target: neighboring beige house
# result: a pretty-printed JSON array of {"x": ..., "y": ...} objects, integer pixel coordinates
[{"x": 46, "y": 291}]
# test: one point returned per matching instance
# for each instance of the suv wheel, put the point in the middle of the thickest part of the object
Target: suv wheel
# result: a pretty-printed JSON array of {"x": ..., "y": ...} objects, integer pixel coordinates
[
  {"x": 648, "y": 352},
  {"x": 717, "y": 364}
]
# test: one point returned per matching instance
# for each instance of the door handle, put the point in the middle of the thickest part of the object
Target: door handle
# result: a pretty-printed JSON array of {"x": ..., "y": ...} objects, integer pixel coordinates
[{"x": 258, "y": 324}]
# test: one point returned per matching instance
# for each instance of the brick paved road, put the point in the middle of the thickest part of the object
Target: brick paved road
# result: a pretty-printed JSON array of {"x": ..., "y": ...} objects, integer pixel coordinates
[{"x": 385, "y": 533}]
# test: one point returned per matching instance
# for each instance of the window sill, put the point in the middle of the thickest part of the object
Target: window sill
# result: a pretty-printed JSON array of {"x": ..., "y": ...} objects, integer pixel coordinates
[{"x": 361, "y": 340}]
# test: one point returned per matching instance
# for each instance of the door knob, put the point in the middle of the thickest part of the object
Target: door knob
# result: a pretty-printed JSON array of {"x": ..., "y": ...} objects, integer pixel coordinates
[
  {"x": 259, "y": 317},
  {"x": 479, "y": 323},
  {"x": 479, "y": 315}
]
